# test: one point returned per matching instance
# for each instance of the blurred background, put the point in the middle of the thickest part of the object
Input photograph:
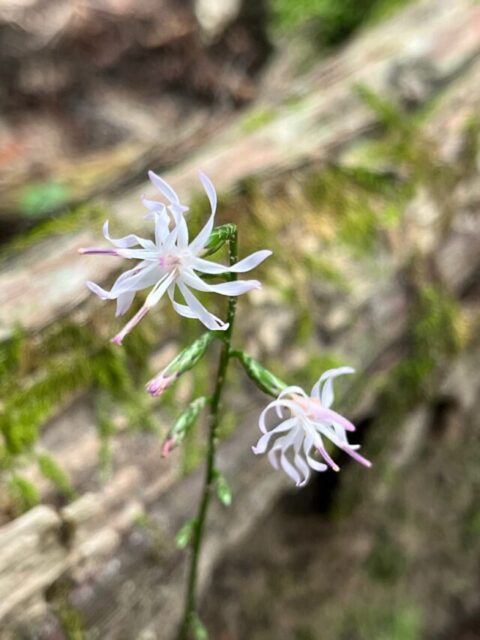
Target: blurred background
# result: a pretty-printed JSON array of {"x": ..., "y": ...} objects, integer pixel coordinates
[{"x": 344, "y": 136}]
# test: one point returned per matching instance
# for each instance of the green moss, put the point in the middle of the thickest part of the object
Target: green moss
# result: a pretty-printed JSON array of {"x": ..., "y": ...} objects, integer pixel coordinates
[
  {"x": 40, "y": 373},
  {"x": 70, "y": 618},
  {"x": 24, "y": 493},
  {"x": 386, "y": 561},
  {"x": 42, "y": 197},
  {"x": 76, "y": 219},
  {"x": 51, "y": 470},
  {"x": 331, "y": 22},
  {"x": 258, "y": 119},
  {"x": 382, "y": 623},
  {"x": 433, "y": 339}
]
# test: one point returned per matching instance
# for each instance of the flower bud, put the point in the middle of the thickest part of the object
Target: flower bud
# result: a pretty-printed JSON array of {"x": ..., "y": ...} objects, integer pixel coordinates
[
  {"x": 183, "y": 362},
  {"x": 218, "y": 237},
  {"x": 183, "y": 424},
  {"x": 263, "y": 378}
]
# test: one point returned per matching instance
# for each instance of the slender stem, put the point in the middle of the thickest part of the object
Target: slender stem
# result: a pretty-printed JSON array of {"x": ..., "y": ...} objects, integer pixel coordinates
[{"x": 190, "y": 606}]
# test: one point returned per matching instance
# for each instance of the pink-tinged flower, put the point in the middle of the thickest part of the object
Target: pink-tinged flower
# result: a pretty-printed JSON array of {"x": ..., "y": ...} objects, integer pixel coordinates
[
  {"x": 309, "y": 422},
  {"x": 172, "y": 262}
]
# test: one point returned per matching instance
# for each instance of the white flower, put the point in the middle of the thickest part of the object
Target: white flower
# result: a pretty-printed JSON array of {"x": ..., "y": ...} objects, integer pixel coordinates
[
  {"x": 171, "y": 261},
  {"x": 310, "y": 420}
]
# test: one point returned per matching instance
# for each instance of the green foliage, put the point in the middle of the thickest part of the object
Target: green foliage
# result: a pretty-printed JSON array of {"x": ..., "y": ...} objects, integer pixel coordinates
[
  {"x": 70, "y": 618},
  {"x": 38, "y": 375},
  {"x": 264, "y": 379},
  {"x": 386, "y": 561},
  {"x": 190, "y": 356},
  {"x": 224, "y": 492},
  {"x": 219, "y": 236},
  {"x": 355, "y": 200},
  {"x": 73, "y": 220},
  {"x": 183, "y": 537},
  {"x": 50, "y": 469},
  {"x": 186, "y": 420},
  {"x": 381, "y": 623},
  {"x": 331, "y": 21},
  {"x": 38, "y": 199},
  {"x": 198, "y": 628},
  {"x": 433, "y": 339},
  {"x": 23, "y": 492},
  {"x": 257, "y": 119}
]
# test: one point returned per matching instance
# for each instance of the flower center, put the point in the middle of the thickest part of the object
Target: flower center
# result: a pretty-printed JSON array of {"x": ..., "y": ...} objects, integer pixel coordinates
[
  {"x": 309, "y": 405},
  {"x": 169, "y": 262}
]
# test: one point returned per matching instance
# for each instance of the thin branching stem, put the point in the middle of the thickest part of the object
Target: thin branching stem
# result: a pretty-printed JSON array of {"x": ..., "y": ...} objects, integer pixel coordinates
[{"x": 190, "y": 608}]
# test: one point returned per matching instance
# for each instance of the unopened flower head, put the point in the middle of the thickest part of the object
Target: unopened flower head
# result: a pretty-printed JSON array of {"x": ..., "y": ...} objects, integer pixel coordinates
[
  {"x": 160, "y": 383},
  {"x": 170, "y": 262},
  {"x": 303, "y": 431}
]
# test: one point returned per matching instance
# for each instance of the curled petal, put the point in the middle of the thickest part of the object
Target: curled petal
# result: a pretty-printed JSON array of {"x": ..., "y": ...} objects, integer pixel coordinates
[
  {"x": 325, "y": 394},
  {"x": 209, "y": 190},
  {"x": 127, "y": 241},
  {"x": 164, "y": 188},
  {"x": 262, "y": 444},
  {"x": 98, "y": 291}
]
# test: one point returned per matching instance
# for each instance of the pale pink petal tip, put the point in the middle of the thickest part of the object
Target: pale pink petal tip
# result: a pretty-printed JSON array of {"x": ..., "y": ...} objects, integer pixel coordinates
[
  {"x": 156, "y": 386},
  {"x": 167, "y": 447}
]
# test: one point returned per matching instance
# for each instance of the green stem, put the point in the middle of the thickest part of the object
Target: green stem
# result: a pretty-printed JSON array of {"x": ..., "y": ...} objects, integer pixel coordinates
[{"x": 190, "y": 607}]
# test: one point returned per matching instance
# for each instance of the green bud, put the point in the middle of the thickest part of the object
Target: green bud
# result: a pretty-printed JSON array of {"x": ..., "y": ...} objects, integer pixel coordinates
[
  {"x": 198, "y": 628},
  {"x": 224, "y": 493},
  {"x": 183, "y": 537},
  {"x": 184, "y": 423},
  {"x": 263, "y": 378},
  {"x": 189, "y": 357},
  {"x": 218, "y": 238},
  {"x": 183, "y": 362}
]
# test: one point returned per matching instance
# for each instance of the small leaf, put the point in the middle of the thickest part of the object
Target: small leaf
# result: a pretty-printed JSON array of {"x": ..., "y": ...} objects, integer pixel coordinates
[
  {"x": 198, "y": 628},
  {"x": 183, "y": 537},
  {"x": 224, "y": 493}
]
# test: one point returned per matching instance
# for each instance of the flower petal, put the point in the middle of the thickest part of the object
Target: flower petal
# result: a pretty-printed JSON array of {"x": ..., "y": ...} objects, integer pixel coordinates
[
  {"x": 234, "y": 288},
  {"x": 197, "y": 245},
  {"x": 325, "y": 395},
  {"x": 209, "y": 189},
  {"x": 164, "y": 188},
  {"x": 181, "y": 309},
  {"x": 98, "y": 291},
  {"x": 124, "y": 302},
  {"x": 208, "y": 319},
  {"x": 159, "y": 289},
  {"x": 127, "y": 241},
  {"x": 248, "y": 263},
  {"x": 146, "y": 274}
]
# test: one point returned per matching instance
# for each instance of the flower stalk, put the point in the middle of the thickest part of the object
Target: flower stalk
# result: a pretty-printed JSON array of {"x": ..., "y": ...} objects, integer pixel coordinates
[{"x": 190, "y": 607}]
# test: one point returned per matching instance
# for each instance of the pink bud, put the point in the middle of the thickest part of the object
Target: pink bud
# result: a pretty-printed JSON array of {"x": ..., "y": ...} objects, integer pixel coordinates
[
  {"x": 156, "y": 386},
  {"x": 167, "y": 447}
]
